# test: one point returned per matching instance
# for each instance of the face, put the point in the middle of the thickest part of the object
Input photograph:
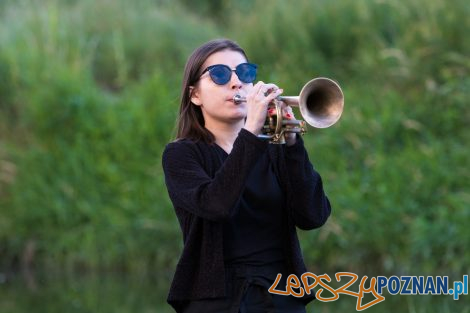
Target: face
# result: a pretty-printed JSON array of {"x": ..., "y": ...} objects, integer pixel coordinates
[{"x": 216, "y": 101}]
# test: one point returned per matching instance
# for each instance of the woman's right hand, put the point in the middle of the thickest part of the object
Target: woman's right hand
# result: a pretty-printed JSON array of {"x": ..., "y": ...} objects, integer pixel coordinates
[{"x": 257, "y": 101}]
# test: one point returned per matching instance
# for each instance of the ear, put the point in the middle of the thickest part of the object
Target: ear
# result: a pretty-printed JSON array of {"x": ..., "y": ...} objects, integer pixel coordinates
[{"x": 194, "y": 95}]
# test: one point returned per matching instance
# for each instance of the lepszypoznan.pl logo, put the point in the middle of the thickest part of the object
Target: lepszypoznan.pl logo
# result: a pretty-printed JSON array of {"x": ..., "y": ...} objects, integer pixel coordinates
[{"x": 403, "y": 285}]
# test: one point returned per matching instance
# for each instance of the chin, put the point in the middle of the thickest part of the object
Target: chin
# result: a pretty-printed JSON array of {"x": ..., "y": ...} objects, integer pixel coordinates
[
  {"x": 240, "y": 113},
  {"x": 237, "y": 117}
]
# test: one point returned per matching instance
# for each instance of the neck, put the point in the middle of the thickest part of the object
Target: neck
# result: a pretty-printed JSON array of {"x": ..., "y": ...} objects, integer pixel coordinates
[{"x": 225, "y": 134}]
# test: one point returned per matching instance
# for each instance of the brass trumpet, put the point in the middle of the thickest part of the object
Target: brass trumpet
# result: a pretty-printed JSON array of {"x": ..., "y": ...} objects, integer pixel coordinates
[{"x": 320, "y": 101}]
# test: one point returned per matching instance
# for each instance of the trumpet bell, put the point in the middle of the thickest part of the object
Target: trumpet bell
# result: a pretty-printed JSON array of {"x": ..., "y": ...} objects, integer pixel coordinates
[{"x": 321, "y": 102}]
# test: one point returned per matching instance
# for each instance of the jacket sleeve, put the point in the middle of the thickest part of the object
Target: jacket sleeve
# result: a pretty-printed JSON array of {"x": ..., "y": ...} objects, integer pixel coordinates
[
  {"x": 310, "y": 206},
  {"x": 191, "y": 188}
]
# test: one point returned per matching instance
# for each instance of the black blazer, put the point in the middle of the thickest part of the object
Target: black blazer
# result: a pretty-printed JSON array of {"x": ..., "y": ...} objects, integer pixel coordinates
[{"x": 205, "y": 192}]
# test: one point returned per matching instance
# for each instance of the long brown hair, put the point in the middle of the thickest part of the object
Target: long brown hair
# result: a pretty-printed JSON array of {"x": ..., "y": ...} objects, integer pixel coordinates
[{"x": 190, "y": 123}]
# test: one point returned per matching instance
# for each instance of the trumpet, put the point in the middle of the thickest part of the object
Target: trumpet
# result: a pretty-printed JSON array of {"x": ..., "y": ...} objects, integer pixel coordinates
[{"x": 320, "y": 101}]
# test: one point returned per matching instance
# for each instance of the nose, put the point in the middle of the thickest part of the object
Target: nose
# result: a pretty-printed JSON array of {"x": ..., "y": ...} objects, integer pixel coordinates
[{"x": 235, "y": 82}]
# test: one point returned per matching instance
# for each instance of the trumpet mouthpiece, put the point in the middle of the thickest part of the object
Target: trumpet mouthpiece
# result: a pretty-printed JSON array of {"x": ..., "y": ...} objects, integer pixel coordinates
[{"x": 237, "y": 99}]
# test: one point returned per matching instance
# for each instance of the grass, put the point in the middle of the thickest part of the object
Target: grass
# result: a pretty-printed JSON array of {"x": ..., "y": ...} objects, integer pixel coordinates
[{"x": 89, "y": 94}]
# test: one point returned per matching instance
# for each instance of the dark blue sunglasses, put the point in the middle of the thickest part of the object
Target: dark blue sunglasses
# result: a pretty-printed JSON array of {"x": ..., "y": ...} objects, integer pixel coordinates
[{"x": 221, "y": 73}]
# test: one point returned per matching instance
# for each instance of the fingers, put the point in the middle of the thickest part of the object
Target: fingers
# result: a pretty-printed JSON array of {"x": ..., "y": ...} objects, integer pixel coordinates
[
  {"x": 288, "y": 113},
  {"x": 268, "y": 89},
  {"x": 258, "y": 100},
  {"x": 262, "y": 90},
  {"x": 285, "y": 114},
  {"x": 286, "y": 110},
  {"x": 273, "y": 94}
]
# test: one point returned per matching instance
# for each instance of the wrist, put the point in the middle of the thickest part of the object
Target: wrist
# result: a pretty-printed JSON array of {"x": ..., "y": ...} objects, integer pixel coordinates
[{"x": 252, "y": 129}]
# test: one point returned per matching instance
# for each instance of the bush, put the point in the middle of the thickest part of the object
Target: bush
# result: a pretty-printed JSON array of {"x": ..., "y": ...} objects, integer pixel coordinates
[{"x": 89, "y": 93}]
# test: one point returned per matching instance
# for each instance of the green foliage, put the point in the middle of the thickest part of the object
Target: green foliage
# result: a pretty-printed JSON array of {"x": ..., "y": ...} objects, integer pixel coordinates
[
  {"x": 394, "y": 166},
  {"x": 87, "y": 157},
  {"x": 88, "y": 99}
]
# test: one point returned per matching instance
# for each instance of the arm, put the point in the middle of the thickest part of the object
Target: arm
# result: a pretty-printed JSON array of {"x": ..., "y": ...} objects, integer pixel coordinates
[
  {"x": 191, "y": 188},
  {"x": 310, "y": 206}
]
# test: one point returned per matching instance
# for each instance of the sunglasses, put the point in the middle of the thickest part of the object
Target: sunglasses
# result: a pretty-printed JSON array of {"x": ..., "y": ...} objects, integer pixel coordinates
[{"x": 221, "y": 74}]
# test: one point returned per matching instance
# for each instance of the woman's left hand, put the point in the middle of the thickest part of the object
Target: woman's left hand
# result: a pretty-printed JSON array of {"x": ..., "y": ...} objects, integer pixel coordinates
[{"x": 287, "y": 114}]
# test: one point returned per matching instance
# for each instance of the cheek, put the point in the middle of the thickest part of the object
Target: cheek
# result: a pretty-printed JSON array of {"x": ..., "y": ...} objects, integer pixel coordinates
[
  {"x": 215, "y": 93},
  {"x": 206, "y": 91},
  {"x": 212, "y": 96}
]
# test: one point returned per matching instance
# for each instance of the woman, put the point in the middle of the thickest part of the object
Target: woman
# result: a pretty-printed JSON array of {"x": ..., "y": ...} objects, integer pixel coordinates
[{"x": 238, "y": 199}]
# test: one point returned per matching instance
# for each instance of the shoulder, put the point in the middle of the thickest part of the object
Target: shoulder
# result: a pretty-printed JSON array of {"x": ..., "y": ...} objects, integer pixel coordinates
[
  {"x": 180, "y": 144},
  {"x": 184, "y": 149},
  {"x": 179, "y": 147},
  {"x": 184, "y": 144}
]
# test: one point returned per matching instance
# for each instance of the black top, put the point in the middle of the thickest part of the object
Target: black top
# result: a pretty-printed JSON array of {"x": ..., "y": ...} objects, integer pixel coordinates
[
  {"x": 205, "y": 191},
  {"x": 253, "y": 236}
]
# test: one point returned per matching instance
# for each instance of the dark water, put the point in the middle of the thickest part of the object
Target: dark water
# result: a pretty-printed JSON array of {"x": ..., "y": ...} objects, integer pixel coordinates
[
  {"x": 113, "y": 293},
  {"x": 117, "y": 293}
]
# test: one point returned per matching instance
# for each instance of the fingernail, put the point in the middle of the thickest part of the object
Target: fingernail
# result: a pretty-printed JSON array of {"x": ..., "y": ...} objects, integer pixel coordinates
[{"x": 288, "y": 115}]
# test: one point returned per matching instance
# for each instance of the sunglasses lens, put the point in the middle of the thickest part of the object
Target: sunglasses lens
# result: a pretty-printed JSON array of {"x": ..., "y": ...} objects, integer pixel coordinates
[
  {"x": 220, "y": 74},
  {"x": 246, "y": 72}
]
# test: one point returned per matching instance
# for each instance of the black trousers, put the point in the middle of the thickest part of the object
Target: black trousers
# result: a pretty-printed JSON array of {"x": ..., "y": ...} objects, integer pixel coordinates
[{"x": 247, "y": 292}]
